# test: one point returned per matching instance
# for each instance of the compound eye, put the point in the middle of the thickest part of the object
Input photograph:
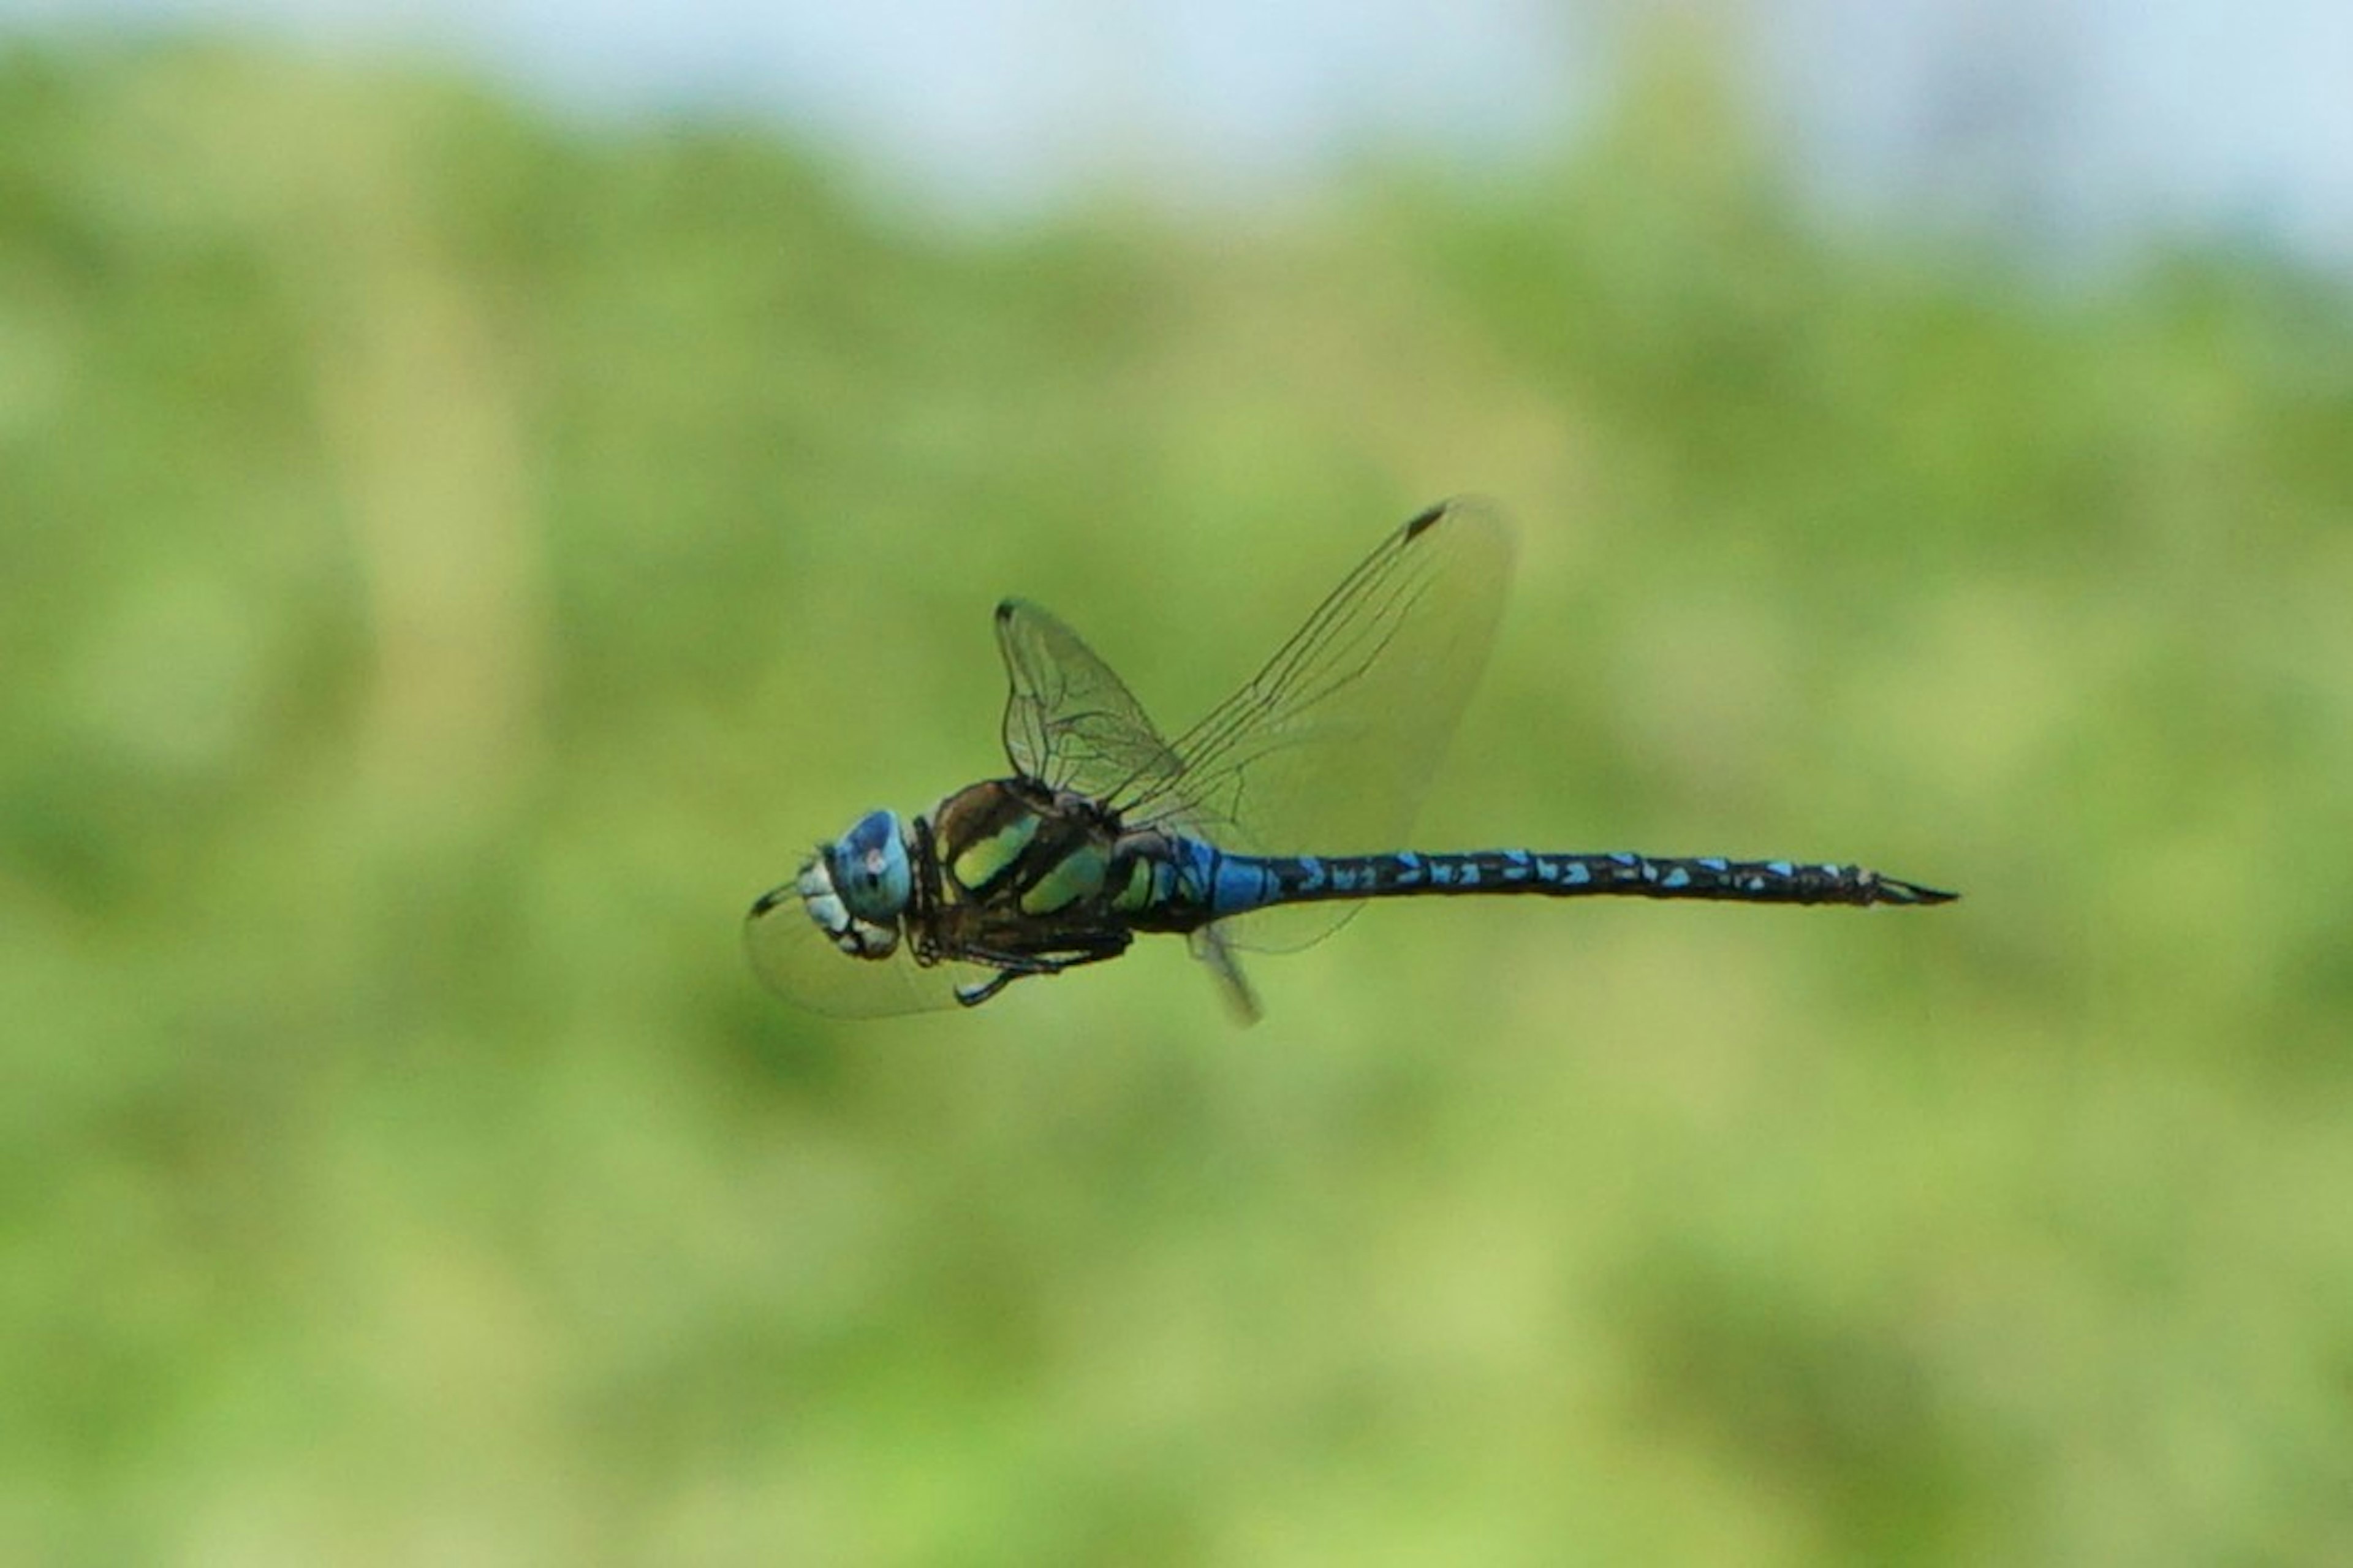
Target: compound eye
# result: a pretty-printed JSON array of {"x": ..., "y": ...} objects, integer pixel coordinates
[{"x": 869, "y": 868}]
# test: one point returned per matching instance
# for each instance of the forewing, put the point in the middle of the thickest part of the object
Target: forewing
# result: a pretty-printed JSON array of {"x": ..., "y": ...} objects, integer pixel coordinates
[
  {"x": 1069, "y": 721},
  {"x": 795, "y": 959}
]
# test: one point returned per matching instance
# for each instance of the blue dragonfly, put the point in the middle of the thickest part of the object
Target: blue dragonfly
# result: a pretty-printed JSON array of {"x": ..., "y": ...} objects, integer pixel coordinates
[{"x": 1105, "y": 830}]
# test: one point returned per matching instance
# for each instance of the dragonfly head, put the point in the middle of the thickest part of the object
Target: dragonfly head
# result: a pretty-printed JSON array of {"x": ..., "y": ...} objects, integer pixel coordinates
[{"x": 857, "y": 887}]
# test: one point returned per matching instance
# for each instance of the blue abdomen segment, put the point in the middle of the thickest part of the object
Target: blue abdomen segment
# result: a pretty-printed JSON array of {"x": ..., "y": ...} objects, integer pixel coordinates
[{"x": 1238, "y": 884}]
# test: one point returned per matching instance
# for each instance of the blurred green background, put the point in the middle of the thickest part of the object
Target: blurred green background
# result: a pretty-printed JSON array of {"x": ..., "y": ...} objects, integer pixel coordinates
[{"x": 455, "y": 557}]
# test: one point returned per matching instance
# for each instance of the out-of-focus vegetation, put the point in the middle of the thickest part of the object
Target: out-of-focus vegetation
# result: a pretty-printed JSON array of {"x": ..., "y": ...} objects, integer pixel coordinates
[{"x": 453, "y": 561}]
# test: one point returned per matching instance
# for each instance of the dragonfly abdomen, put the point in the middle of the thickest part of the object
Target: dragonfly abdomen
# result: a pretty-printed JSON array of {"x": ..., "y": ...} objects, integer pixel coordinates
[{"x": 1241, "y": 883}]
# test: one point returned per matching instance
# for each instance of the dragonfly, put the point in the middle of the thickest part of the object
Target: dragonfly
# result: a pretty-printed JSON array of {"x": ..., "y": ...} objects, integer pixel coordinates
[{"x": 1105, "y": 830}]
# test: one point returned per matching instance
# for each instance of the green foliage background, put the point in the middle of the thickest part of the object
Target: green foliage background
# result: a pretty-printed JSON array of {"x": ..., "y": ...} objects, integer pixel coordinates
[{"x": 454, "y": 560}]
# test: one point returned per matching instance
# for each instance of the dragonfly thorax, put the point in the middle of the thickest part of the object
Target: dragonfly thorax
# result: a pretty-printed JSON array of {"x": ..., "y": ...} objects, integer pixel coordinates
[{"x": 857, "y": 887}]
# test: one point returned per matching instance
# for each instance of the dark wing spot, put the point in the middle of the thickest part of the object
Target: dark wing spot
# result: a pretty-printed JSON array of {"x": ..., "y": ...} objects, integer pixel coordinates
[{"x": 1423, "y": 518}]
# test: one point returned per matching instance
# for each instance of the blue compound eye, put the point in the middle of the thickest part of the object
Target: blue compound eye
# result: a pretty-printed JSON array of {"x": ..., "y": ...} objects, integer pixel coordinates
[{"x": 869, "y": 868}]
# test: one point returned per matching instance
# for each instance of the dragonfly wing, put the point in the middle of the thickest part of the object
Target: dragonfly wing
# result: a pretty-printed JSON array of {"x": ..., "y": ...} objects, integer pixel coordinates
[
  {"x": 1332, "y": 747},
  {"x": 1211, "y": 946},
  {"x": 795, "y": 959},
  {"x": 1072, "y": 724},
  {"x": 1328, "y": 749},
  {"x": 1069, "y": 721}
]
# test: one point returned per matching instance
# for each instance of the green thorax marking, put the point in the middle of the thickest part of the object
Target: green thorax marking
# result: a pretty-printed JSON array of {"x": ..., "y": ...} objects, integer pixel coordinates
[
  {"x": 1016, "y": 843},
  {"x": 1142, "y": 882},
  {"x": 1077, "y": 874},
  {"x": 984, "y": 860}
]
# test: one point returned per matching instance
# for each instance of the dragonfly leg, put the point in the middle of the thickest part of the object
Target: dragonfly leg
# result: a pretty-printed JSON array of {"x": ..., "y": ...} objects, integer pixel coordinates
[
  {"x": 973, "y": 996},
  {"x": 1013, "y": 966}
]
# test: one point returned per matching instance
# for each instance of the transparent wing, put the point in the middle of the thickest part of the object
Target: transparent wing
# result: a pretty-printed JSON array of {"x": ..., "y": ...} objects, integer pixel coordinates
[
  {"x": 1332, "y": 747},
  {"x": 1069, "y": 721},
  {"x": 799, "y": 961},
  {"x": 1328, "y": 749}
]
